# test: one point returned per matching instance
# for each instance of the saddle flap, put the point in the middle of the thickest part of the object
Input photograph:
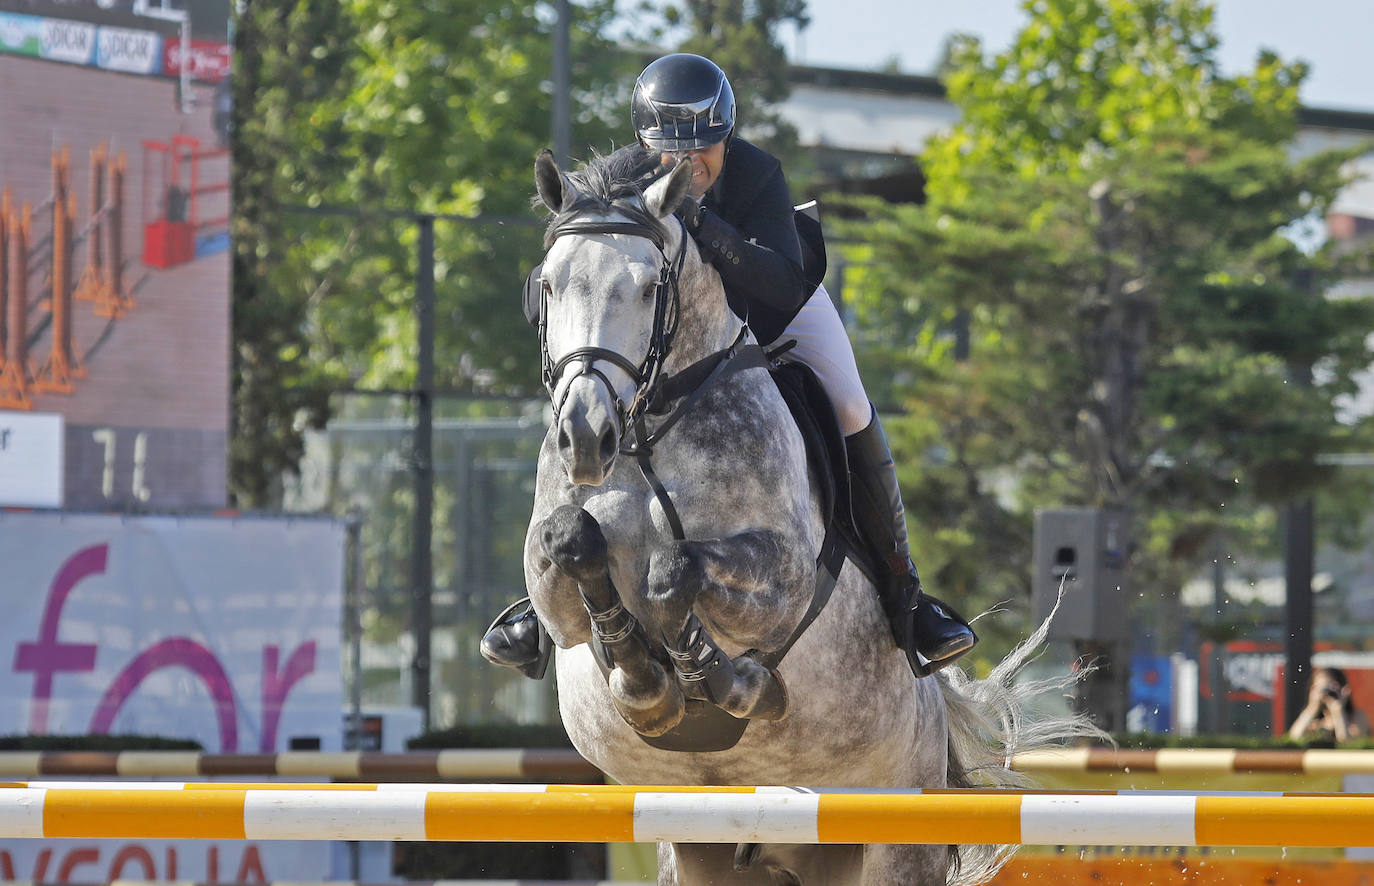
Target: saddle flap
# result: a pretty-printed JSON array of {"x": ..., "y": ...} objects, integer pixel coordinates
[{"x": 815, "y": 419}]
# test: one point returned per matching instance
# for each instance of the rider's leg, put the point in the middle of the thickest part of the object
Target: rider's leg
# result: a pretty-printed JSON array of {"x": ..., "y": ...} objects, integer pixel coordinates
[
  {"x": 918, "y": 621},
  {"x": 516, "y": 639}
]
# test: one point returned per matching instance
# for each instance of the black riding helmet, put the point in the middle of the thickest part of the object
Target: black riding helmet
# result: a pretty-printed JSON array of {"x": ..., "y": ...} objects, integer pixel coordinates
[{"x": 682, "y": 102}]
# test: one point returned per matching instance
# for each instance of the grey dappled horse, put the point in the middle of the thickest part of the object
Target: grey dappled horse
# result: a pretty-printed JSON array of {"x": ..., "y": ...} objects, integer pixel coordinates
[{"x": 661, "y": 599}]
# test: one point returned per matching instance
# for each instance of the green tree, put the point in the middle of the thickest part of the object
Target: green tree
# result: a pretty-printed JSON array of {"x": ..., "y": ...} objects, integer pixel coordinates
[
  {"x": 390, "y": 108},
  {"x": 1106, "y": 229},
  {"x": 286, "y": 56}
]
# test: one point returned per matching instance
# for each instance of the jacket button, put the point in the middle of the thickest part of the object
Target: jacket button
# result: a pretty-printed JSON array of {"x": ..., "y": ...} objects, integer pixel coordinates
[
  {"x": 736, "y": 261},
  {"x": 715, "y": 244}
]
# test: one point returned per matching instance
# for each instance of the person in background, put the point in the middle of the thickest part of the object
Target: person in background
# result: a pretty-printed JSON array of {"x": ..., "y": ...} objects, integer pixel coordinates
[{"x": 1330, "y": 708}]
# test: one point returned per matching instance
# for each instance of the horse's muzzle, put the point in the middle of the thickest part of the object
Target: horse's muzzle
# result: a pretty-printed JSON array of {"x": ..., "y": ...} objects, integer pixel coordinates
[{"x": 588, "y": 436}]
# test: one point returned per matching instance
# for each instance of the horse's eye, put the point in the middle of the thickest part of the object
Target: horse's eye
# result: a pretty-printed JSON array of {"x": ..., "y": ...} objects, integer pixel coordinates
[{"x": 651, "y": 290}]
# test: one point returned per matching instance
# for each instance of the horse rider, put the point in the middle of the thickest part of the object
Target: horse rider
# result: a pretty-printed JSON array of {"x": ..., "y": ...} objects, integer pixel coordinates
[{"x": 741, "y": 216}]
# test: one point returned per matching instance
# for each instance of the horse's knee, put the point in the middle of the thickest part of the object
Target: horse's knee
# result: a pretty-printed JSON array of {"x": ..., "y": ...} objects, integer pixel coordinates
[
  {"x": 573, "y": 541},
  {"x": 560, "y": 607},
  {"x": 677, "y": 574}
]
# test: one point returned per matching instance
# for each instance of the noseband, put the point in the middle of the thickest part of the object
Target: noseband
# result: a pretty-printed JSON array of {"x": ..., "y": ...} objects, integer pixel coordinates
[{"x": 648, "y": 374}]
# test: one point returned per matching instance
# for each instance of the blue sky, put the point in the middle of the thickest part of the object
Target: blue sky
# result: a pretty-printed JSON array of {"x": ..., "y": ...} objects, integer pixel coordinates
[{"x": 1335, "y": 37}]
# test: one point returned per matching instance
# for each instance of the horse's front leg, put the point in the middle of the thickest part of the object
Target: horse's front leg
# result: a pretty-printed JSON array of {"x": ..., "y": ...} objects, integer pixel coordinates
[
  {"x": 643, "y": 692},
  {"x": 757, "y": 583}
]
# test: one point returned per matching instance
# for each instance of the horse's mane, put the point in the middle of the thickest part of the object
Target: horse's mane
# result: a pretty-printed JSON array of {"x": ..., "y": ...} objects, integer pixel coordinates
[{"x": 613, "y": 182}]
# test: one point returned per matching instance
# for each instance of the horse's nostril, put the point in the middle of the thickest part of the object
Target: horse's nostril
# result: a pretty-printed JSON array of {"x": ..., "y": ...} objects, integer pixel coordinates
[
  {"x": 564, "y": 441},
  {"x": 607, "y": 445}
]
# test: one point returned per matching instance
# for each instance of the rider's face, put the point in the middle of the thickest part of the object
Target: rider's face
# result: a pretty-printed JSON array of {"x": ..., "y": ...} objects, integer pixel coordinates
[{"x": 706, "y": 165}]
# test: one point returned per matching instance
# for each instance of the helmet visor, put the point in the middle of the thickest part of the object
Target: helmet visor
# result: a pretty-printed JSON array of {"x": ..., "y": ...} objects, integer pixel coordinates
[{"x": 684, "y": 126}]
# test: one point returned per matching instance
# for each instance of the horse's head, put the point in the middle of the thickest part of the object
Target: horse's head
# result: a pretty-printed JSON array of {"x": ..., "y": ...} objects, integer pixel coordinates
[{"x": 610, "y": 299}]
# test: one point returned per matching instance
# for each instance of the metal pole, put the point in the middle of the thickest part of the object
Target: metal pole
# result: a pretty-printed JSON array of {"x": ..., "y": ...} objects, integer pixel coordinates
[
  {"x": 355, "y": 643},
  {"x": 1297, "y": 645},
  {"x": 355, "y": 619},
  {"x": 562, "y": 83},
  {"x": 423, "y": 462},
  {"x": 1299, "y": 562}
]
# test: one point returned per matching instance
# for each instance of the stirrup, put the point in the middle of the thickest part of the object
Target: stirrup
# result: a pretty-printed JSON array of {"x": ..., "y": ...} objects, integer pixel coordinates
[{"x": 537, "y": 668}]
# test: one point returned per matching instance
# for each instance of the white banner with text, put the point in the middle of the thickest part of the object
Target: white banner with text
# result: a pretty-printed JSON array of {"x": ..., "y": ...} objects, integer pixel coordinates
[{"x": 222, "y": 630}]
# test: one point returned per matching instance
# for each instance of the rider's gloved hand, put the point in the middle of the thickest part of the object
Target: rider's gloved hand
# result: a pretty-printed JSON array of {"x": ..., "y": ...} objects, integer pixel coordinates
[{"x": 689, "y": 211}]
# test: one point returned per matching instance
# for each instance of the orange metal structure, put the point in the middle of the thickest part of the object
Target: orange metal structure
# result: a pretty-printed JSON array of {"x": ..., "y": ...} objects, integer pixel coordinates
[
  {"x": 61, "y": 366},
  {"x": 102, "y": 280},
  {"x": 88, "y": 288},
  {"x": 22, "y": 257},
  {"x": 14, "y": 374}
]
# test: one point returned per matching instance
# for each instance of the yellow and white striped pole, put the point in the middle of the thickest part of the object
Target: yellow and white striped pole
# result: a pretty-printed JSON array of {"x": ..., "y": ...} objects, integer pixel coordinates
[{"x": 544, "y": 813}]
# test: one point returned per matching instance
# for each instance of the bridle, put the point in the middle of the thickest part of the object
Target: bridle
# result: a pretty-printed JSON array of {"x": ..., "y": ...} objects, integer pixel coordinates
[
  {"x": 648, "y": 373},
  {"x": 653, "y": 389}
]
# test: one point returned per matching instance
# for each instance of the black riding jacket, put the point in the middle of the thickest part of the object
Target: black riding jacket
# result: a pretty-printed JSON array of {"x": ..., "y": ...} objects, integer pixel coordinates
[{"x": 748, "y": 234}]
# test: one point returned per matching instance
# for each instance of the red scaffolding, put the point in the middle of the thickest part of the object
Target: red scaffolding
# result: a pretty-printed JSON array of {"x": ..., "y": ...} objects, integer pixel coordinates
[{"x": 173, "y": 199}]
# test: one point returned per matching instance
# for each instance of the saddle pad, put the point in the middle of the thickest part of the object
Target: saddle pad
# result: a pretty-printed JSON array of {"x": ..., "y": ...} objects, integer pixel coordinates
[
  {"x": 825, "y": 452},
  {"x": 815, "y": 419}
]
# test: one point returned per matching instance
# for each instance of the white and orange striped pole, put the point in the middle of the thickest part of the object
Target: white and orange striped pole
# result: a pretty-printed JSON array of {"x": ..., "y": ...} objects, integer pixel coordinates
[{"x": 541, "y": 813}]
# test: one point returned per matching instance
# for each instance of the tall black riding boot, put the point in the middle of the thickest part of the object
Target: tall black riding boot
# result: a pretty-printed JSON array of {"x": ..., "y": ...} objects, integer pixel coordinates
[
  {"x": 518, "y": 640},
  {"x": 920, "y": 623}
]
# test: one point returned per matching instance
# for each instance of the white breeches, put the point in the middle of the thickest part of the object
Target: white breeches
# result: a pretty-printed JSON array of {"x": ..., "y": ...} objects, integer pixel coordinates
[{"x": 823, "y": 346}]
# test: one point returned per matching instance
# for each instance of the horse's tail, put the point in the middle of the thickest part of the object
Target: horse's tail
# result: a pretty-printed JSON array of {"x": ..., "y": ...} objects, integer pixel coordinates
[{"x": 989, "y": 721}]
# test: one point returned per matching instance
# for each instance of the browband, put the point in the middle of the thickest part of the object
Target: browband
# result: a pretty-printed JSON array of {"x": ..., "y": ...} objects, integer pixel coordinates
[{"x": 592, "y": 226}]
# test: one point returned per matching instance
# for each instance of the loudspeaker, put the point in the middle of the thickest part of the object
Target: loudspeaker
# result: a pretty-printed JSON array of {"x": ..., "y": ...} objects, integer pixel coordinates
[{"x": 1085, "y": 549}]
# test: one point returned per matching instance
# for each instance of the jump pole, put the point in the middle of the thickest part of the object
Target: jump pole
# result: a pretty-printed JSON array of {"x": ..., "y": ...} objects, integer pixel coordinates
[
  {"x": 465, "y": 764},
  {"x": 1198, "y": 761},
  {"x": 473, "y": 764},
  {"x": 628, "y": 814}
]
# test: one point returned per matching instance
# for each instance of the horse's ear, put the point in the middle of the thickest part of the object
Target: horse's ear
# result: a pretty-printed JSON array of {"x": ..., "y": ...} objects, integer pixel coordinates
[
  {"x": 554, "y": 188},
  {"x": 663, "y": 196}
]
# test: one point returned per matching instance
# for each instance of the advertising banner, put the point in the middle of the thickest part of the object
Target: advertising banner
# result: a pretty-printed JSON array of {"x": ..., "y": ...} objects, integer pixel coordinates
[
  {"x": 209, "y": 61},
  {"x": 196, "y": 861},
  {"x": 223, "y": 630},
  {"x": 67, "y": 41},
  {"x": 129, "y": 51},
  {"x": 21, "y": 34},
  {"x": 226, "y": 631},
  {"x": 1151, "y": 689}
]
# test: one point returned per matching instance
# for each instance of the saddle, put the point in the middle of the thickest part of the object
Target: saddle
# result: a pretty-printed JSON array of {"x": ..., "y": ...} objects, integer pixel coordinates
[{"x": 825, "y": 451}]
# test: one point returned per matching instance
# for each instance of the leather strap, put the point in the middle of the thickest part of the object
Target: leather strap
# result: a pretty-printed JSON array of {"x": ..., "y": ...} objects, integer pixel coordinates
[
  {"x": 828, "y": 565},
  {"x": 593, "y": 226}
]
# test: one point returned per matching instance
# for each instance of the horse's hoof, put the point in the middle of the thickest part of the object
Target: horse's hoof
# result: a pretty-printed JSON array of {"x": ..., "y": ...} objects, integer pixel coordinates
[
  {"x": 757, "y": 693},
  {"x": 573, "y": 540},
  {"x": 649, "y": 713}
]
